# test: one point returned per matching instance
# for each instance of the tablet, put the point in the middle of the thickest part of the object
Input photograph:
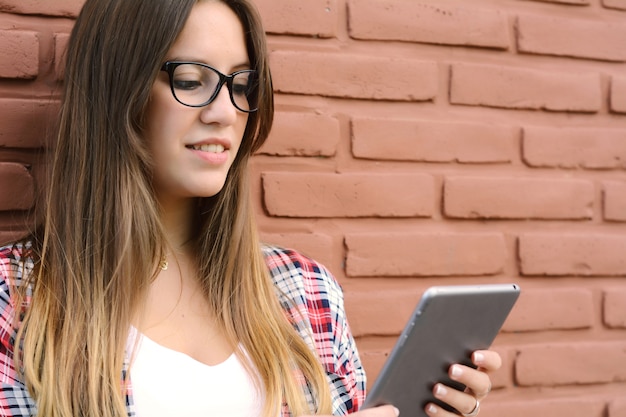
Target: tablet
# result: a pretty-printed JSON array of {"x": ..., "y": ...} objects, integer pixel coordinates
[{"x": 447, "y": 325}]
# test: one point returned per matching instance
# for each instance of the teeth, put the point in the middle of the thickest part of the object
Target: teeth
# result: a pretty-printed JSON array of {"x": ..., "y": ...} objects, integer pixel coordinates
[{"x": 213, "y": 148}]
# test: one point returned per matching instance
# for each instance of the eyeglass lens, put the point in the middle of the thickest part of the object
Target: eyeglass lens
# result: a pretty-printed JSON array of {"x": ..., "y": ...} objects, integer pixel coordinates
[{"x": 198, "y": 85}]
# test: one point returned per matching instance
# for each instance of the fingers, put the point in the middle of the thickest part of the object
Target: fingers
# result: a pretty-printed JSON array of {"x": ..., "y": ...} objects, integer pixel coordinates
[
  {"x": 461, "y": 401},
  {"x": 476, "y": 381},
  {"x": 487, "y": 360}
]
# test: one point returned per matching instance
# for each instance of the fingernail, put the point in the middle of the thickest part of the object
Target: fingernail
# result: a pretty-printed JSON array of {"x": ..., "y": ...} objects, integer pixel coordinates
[
  {"x": 456, "y": 371},
  {"x": 440, "y": 390},
  {"x": 396, "y": 411},
  {"x": 478, "y": 357},
  {"x": 432, "y": 409}
]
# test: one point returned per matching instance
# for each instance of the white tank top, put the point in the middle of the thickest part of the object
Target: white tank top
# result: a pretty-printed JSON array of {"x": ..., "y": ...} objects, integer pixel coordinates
[{"x": 168, "y": 383}]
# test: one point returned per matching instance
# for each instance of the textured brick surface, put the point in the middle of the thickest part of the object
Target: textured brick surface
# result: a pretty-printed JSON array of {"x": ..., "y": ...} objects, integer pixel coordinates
[
  {"x": 571, "y": 407},
  {"x": 618, "y": 94},
  {"x": 615, "y": 201},
  {"x": 430, "y": 23},
  {"x": 357, "y": 76},
  {"x": 581, "y": 255},
  {"x": 19, "y": 54},
  {"x": 303, "y": 134},
  {"x": 25, "y": 123},
  {"x": 18, "y": 183},
  {"x": 552, "y": 308},
  {"x": 420, "y": 254},
  {"x": 617, "y": 407},
  {"x": 614, "y": 308},
  {"x": 569, "y": 363},
  {"x": 312, "y": 17},
  {"x": 60, "y": 44},
  {"x": 423, "y": 140},
  {"x": 376, "y": 313},
  {"x": 314, "y": 245},
  {"x": 517, "y": 198},
  {"x": 7, "y": 237},
  {"x": 575, "y": 2},
  {"x": 348, "y": 195},
  {"x": 594, "y": 148},
  {"x": 68, "y": 8},
  {"x": 523, "y": 88},
  {"x": 558, "y": 36},
  {"x": 615, "y": 4}
]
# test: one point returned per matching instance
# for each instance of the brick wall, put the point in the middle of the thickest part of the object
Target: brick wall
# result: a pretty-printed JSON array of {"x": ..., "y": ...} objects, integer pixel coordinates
[{"x": 419, "y": 143}]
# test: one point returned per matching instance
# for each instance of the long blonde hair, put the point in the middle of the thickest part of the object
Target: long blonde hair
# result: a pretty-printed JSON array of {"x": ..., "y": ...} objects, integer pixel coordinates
[{"x": 101, "y": 235}]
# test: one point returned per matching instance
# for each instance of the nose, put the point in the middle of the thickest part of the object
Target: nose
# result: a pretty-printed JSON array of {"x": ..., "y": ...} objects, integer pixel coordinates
[{"x": 221, "y": 110}]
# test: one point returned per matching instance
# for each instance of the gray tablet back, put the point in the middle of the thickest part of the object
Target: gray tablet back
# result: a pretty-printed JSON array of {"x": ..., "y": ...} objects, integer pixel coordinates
[{"x": 448, "y": 324}]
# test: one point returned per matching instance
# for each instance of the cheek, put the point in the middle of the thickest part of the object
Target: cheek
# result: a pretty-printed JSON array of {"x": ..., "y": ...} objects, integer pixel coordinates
[
  {"x": 160, "y": 120},
  {"x": 240, "y": 128}
]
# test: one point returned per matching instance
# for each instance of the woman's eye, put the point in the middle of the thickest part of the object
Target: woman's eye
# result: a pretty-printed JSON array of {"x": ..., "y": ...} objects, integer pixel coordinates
[
  {"x": 187, "y": 84},
  {"x": 241, "y": 89}
]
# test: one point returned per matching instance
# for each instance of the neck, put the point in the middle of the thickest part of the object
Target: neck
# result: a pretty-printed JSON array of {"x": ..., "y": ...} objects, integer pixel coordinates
[{"x": 177, "y": 219}]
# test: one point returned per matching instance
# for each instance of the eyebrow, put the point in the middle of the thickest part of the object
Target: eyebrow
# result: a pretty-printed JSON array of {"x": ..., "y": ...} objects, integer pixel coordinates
[{"x": 245, "y": 65}]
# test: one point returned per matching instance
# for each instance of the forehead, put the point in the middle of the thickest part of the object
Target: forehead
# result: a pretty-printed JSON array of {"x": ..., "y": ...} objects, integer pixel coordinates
[{"x": 213, "y": 34}]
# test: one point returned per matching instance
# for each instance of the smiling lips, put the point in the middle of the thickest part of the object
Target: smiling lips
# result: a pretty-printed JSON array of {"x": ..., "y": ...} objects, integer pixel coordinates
[
  {"x": 213, "y": 153},
  {"x": 213, "y": 148}
]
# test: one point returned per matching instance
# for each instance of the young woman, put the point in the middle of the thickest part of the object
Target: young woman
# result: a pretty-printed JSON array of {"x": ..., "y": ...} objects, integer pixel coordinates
[{"x": 145, "y": 291}]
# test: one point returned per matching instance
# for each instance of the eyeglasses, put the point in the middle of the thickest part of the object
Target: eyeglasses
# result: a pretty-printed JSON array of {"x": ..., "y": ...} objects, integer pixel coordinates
[{"x": 196, "y": 85}]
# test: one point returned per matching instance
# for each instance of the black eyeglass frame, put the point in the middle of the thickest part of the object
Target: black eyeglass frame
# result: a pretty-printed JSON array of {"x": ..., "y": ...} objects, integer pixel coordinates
[{"x": 170, "y": 66}]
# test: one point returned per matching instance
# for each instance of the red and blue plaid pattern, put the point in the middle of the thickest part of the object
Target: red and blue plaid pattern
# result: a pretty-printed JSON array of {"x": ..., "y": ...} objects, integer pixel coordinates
[{"x": 309, "y": 294}]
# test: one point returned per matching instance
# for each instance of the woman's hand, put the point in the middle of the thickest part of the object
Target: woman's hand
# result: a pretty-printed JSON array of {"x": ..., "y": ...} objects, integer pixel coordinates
[{"x": 477, "y": 382}]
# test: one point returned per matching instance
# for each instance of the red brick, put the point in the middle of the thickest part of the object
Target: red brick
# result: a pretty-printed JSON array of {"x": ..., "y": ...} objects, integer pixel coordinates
[
  {"x": 546, "y": 407},
  {"x": 20, "y": 54},
  {"x": 571, "y": 363},
  {"x": 67, "y": 8},
  {"x": 302, "y": 134},
  {"x": 354, "y": 76},
  {"x": 428, "y": 141},
  {"x": 592, "y": 148},
  {"x": 382, "y": 313},
  {"x": 562, "y": 37},
  {"x": 25, "y": 123},
  {"x": 575, "y": 2},
  {"x": 312, "y": 17},
  {"x": 569, "y": 254},
  {"x": 615, "y": 201},
  {"x": 517, "y": 198},
  {"x": 373, "y": 361},
  {"x": 614, "y": 4},
  {"x": 291, "y": 194},
  {"x": 10, "y": 236},
  {"x": 618, "y": 94},
  {"x": 614, "y": 308},
  {"x": 617, "y": 407},
  {"x": 420, "y": 22},
  {"x": 551, "y": 309},
  {"x": 521, "y": 88},
  {"x": 17, "y": 187},
  {"x": 60, "y": 47},
  {"x": 424, "y": 254},
  {"x": 314, "y": 245}
]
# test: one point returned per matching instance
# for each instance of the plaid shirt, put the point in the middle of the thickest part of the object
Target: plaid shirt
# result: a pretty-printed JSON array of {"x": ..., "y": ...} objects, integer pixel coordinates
[{"x": 308, "y": 293}]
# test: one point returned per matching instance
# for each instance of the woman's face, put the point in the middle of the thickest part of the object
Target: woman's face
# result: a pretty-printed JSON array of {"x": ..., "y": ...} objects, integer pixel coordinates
[{"x": 193, "y": 148}]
